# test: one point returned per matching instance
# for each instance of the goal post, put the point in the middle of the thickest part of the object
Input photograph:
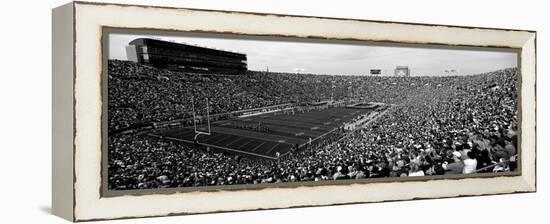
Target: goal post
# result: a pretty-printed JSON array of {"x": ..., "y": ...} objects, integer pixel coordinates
[{"x": 197, "y": 131}]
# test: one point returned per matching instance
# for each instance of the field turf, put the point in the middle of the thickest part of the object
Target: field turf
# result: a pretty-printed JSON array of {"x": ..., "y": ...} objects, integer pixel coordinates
[{"x": 241, "y": 135}]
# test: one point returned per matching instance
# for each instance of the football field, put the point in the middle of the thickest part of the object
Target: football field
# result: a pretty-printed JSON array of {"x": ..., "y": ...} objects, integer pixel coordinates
[{"x": 265, "y": 135}]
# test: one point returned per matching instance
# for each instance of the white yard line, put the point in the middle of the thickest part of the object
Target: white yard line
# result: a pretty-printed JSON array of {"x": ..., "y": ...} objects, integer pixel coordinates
[
  {"x": 245, "y": 143},
  {"x": 254, "y": 149},
  {"x": 239, "y": 138},
  {"x": 222, "y": 139},
  {"x": 268, "y": 151}
]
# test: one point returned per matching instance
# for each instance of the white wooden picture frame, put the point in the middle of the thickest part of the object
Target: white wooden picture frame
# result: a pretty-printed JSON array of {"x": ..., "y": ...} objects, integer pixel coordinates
[{"x": 77, "y": 39}]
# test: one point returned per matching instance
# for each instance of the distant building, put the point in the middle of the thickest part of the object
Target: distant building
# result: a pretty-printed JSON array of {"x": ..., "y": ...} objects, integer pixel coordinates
[
  {"x": 402, "y": 71},
  {"x": 184, "y": 57},
  {"x": 452, "y": 72},
  {"x": 376, "y": 71}
]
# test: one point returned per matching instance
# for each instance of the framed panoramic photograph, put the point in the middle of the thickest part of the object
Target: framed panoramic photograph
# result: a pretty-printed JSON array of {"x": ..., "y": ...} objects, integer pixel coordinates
[{"x": 168, "y": 111}]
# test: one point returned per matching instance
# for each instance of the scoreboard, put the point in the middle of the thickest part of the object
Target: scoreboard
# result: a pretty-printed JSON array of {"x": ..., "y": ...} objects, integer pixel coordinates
[{"x": 402, "y": 71}]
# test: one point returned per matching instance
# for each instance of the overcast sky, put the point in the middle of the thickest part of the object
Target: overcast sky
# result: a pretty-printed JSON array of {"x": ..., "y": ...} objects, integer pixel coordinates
[{"x": 338, "y": 58}]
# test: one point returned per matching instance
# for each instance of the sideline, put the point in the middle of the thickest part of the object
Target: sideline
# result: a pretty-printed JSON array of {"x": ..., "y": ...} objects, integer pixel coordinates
[{"x": 212, "y": 146}]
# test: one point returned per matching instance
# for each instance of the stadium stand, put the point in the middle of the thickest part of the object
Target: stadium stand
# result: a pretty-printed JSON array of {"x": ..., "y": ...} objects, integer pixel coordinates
[
  {"x": 439, "y": 125},
  {"x": 185, "y": 57}
]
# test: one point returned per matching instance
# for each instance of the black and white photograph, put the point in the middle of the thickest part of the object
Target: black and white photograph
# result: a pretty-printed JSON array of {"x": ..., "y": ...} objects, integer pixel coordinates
[
  {"x": 209, "y": 110},
  {"x": 316, "y": 113},
  {"x": 275, "y": 112}
]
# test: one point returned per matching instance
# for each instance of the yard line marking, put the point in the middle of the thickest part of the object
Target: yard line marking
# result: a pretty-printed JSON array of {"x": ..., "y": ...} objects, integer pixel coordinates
[
  {"x": 219, "y": 140},
  {"x": 268, "y": 151},
  {"x": 254, "y": 149},
  {"x": 239, "y": 138},
  {"x": 240, "y": 147}
]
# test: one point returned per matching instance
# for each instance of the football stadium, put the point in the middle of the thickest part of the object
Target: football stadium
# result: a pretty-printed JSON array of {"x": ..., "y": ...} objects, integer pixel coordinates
[
  {"x": 269, "y": 134},
  {"x": 193, "y": 116}
]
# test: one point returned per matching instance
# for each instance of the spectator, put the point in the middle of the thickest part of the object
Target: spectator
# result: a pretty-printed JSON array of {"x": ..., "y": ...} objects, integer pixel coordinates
[
  {"x": 470, "y": 163},
  {"x": 415, "y": 171},
  {"x": 457, "y": 167}
]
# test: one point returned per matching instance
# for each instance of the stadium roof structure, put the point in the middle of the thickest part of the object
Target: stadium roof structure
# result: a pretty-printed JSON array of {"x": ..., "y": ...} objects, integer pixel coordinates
[
  {"x": 186, "y": 57},
  {"x": 180, "y": 45}
]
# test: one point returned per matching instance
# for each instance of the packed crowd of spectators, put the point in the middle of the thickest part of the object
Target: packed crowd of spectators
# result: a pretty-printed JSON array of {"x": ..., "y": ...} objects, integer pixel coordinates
[
  {"x": 139, "y": 94},
  {"x": 468, "y": 129},
  {"x": 437, "y": 126}
]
